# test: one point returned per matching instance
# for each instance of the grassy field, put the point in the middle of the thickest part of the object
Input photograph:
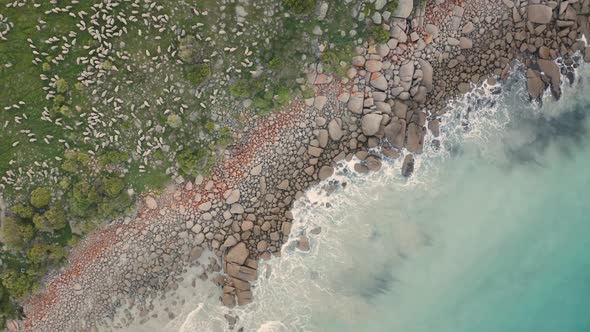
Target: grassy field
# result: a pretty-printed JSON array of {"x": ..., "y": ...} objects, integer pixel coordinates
[{"x": 100, "y": 103}]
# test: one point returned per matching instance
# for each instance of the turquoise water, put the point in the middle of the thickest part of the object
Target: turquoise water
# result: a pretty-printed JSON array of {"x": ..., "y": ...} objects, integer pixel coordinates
[{"x": 492, "y": 233}]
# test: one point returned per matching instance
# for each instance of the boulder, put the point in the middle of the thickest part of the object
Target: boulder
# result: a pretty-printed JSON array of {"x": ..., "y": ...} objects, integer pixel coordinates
[
  {"x": 236, "y": 208},
  {"x": 334, "y": 130},
  {"x": 468, "y": 28},
  {"x": 319, "y": 102},
  {"x": 205, "y": 206},
  {"x": 544, "y": 52},
  {"x": 427, "y": 74},
  {"x": 406, "y": 71},
  {"x": 587, "y": 54},
  {"x": 464, "y": 87},
  {"x": 303, "y": 243},
  {"x": 229, "y": 242},
  {"x": 371, "y": 123},
  {"x": 233, "y": 197},
  {"x": 378, "y": 81},
  {"x": 404, "y": 8},
  {"x": 434, "y": 127},
  {"x": 408, "y": 166},
  {"x": 151, "y": 203},
  {"x": 535, "y": 85},
  {"x": 244, "y": 297},
  {"x": 228, "y": 300},
  {"x": 373, "y": 66},
  {"x": 358, "y": 61},
  {"x": 373, "y": 164},
  {"x": 395, "y": 132},
  {"x": 262, "y": 246},
  {"x": 325, "y": 172},
  {"x": 432, "y": 30},
  {"x": 355, "y": 104},
  {"x": 539, "y": 14},
  {"x": 256, "y": 170},
  {"x": 323, "y": 138},
  {"x": 415, "y": 138},
  {"x": 551, "y": 69},
  {"x": 465, "y": 43},
  {"x": 237, "y": 254}
]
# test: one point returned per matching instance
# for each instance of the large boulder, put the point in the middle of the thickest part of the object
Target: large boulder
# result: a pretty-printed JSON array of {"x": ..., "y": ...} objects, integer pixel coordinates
[
  {"x": 334, "y": 130},
  {"x": 534, "y": 84},
  {"x": 415, "y": 138},
  {"x": 551, "y": 69},
  {"x": 406, "y": 71},
  {"x": 427, "y": 73},
  {"x": 355, "y": 104},
  {"x": 395, "y": 132},
  {"x": 371, "y": 123},
  {"x": 378, "y": 81},
  {"x": 408, "y": 166},
  {"x": 404, "y": 8},
  {"x": 325, "y": 172},
  {"x": 539, "y": 14},
  {"x": 237, "y": 254}
]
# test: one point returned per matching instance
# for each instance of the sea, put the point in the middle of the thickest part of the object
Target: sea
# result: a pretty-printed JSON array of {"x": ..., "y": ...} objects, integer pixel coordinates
[{"x": 490, "y": 234}]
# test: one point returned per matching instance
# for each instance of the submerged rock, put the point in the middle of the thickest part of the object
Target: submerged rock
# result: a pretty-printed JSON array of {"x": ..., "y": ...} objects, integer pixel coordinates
[{"x": 408, "y": 166}]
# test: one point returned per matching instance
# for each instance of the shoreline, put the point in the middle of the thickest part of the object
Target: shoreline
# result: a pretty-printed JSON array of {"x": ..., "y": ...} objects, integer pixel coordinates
[{"x": 242, "y": 213}]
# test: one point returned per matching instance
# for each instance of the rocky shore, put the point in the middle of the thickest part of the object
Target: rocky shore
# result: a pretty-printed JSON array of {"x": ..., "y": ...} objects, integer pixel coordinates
[{"x": 392, "y": 97}]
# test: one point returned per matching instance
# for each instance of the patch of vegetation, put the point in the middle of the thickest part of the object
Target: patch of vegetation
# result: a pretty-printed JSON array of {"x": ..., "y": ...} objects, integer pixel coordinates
[
  {"x": 192, "y": 160},
  {"x": 392, "y": 5},
  {"x": 380, "y": 34},
  {"x": 299, "y": 6},
  {"x": 197, "y": 74}
]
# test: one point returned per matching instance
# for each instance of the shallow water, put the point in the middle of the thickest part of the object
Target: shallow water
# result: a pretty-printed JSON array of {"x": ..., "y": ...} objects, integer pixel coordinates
[{"x": 491, "y": 234}]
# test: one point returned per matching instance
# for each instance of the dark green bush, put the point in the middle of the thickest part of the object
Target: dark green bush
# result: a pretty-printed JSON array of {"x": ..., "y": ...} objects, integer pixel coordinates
[{"x": 299, "y": 6}]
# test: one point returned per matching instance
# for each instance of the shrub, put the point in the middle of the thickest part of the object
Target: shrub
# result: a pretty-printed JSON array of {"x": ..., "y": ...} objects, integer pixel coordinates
[
  {"x": 197, "y": 73},
  {"x": 83, "y": 199},
  {"x": 23, "y": 211},
  {"x": 40, "y": 253},
  {"x": 110, "y": 207},
  {"x": 190, "y": 160},
  {"x": 174, "y": 121},
  {"x": 107, "y": 65},
  {"x": 17, "y": 283},
  {"x": 52, "y": 220},
  {"x": 62, "y": 85},
  {"x": 114, "y": 158},
  {"x": 40, "y": 197},
  {"x": 392, "y": 6},
  {"x": 113, "y": 186},
  {"x": 15, "y": 232},
  {"x": 380, "y": 34},
  {"x": 299, "y": 6}
]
